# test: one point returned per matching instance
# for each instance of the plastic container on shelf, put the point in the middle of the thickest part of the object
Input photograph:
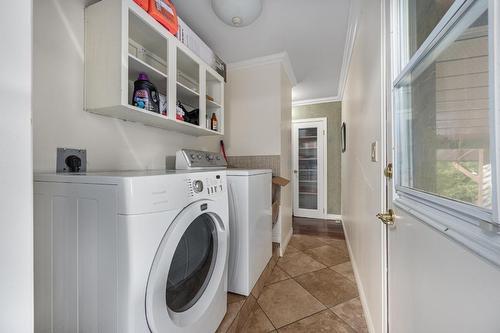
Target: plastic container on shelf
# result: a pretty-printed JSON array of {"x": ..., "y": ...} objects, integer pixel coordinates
[
  {"x": 143, "y": 3},
  {"x": 164, "y": 12},
  {"x": 145, "y": 94}
]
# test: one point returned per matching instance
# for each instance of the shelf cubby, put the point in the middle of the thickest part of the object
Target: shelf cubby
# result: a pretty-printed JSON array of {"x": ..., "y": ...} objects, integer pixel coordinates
[
  {"x": 121, "y": 41},
  {"x": 187, "y": 96},
  {"x": 136, "y": 66}
]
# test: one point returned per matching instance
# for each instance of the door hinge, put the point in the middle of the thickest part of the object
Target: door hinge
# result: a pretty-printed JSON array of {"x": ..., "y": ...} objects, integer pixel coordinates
[{"x": 388, "y": 171}]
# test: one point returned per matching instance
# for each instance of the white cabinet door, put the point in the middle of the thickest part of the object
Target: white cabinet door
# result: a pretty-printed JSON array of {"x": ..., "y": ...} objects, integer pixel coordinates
[{"x": 309, "y": 141}]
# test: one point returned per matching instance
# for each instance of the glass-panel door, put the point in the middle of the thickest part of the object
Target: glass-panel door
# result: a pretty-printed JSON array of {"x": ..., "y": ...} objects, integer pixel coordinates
[{"x": 309, "y": 180}]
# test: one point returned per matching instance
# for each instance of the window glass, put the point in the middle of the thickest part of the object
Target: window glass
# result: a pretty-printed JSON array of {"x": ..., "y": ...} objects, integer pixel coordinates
[
  {"x": 422, "y": 16},
  {"x": 442, "y": 116},
  {"x": 308, "y": 168}
]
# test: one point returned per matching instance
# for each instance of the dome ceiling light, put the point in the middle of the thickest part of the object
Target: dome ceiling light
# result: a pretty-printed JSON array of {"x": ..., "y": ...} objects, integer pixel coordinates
[{"x": 237, "y": 13}]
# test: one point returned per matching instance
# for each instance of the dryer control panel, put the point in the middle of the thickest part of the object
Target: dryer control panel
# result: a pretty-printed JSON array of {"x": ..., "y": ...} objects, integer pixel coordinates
[{"x": 188, "y": 159}]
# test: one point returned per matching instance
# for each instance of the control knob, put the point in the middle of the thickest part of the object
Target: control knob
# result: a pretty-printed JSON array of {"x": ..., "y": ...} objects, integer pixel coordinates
[{"x": 198, "y": 186}]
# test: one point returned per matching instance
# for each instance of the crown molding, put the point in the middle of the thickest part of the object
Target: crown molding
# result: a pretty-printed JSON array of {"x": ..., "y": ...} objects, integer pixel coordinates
[
  {"x": 266, "y": 60},
  {"x": 316, "y": 101},
  {"x": 283, "y": 58},
  {"x": 352, "y": 25}
]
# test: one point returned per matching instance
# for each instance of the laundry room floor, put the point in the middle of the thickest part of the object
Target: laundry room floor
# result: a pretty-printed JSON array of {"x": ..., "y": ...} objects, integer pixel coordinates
[{"x": 310, "y": 289}]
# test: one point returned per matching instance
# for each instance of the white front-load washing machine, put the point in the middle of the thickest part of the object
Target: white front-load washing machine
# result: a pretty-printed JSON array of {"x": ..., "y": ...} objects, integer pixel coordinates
[{"x": 131, "y": 252}]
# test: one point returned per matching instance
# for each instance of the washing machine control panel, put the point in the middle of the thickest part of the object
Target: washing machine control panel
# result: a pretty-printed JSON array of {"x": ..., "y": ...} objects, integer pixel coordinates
[{"x": 206, "y": 184}]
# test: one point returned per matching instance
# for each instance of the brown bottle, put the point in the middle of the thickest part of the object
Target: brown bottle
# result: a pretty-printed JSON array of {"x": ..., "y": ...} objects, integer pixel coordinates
[{"x": 214, "y": 123}]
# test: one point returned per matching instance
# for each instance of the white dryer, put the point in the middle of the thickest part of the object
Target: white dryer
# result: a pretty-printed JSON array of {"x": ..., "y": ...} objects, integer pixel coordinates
[
  {"x": 131, "y": 252},
  {"x": 250, "y": 217},
  {"x": 250, "y": 223}
]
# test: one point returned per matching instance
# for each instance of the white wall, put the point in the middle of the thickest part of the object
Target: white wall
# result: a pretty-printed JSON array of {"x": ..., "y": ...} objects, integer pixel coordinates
[
  {"x": 252, "y": 102},
  {"x": 362, "y": 178},
  {"x": 286, "y": 159},
  {"x": 58, "y": 99},
  {"x": 16, "y": 169},
  {"x": 258, "y": 101}
]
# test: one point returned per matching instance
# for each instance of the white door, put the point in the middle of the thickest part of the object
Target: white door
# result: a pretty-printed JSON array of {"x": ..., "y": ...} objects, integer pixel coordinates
[
  {"x": 309, "y": 148},
  {"x": 16, "y": 168},
  {"x": 443, "y": 250}
]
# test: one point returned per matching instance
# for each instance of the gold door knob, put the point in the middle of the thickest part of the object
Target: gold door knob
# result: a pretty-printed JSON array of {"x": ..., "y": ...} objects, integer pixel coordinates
[
  {"x": 388, "y": 170},
  {"x": 387, "y": 218}
]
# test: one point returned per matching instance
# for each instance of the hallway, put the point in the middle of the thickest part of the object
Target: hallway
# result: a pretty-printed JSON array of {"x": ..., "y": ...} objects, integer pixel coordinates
[{"x": 311, "y": 288}]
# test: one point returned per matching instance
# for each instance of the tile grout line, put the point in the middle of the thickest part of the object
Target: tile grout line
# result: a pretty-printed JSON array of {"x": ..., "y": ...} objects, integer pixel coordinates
[
  {"x": 293, "y": 322},
  {"x": 344, "y": 275},
  {"x": 257, "y": 299},
  {"x": 307, "y": 291},
  {"x": 330, "y": 309},
  {"x": 342, "y": 319},
  {"x": 326, "y": 308},
  {"x": 292, "y": 278},
  {"x": 265, "y": 314},
  {"x": 270, "y": 284}
]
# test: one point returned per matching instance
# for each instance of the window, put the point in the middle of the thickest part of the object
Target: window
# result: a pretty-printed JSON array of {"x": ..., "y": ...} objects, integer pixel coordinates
[
  {"x": 420, "y": 17},
  {"x": 445, "y": 115},
  {"x": 442, "y": 112}
]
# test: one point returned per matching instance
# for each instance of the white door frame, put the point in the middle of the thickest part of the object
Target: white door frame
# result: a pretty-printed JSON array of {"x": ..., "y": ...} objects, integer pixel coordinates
[
  {"x": 16, "y": 169},
  {"x": 322, "y": 211}
]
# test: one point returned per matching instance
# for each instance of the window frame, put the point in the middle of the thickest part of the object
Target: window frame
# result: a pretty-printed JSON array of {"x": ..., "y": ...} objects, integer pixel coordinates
[{"x": 475, "y": 227}]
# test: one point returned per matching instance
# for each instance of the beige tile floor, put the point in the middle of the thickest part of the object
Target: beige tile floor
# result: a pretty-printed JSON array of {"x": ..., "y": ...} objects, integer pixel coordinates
[{"x": 310, "y": 289}]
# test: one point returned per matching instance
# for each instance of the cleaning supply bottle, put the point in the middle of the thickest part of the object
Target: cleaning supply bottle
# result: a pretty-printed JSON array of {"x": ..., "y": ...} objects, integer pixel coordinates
[
  {"x": 214, "y": 124},
  {"x": 180, "y": 111},
  {"x": 145, "y": 94}
]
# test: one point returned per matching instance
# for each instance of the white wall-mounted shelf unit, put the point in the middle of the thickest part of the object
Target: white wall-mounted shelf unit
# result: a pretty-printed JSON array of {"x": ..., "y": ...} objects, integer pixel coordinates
[{"x": 121, "y": 41}]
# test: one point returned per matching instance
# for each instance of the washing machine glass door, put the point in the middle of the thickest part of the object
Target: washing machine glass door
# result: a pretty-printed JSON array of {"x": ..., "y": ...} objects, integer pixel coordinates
[
  {"x": 192, "y": 264},
  {"x": 188, "y": 268}
]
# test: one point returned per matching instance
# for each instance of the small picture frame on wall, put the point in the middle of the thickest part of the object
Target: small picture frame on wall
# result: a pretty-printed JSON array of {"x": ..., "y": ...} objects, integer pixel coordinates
[{"x": 343, "y": 131}]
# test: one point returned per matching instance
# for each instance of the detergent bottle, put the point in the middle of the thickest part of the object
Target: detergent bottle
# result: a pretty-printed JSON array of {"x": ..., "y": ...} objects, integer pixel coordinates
[{"x": 145, "y": 94}]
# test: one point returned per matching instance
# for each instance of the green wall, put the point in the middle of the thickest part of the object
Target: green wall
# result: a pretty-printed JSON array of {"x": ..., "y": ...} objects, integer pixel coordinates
[{"x": 333, "y": 112}]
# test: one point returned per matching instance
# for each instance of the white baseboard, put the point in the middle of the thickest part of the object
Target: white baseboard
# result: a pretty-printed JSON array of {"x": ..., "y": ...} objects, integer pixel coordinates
[
  {"x": 361, "y": 290},
  {"x": 286, "y": 241},
  {"x": 334, "y": 217},
  {"x": 277, "y": 229}
]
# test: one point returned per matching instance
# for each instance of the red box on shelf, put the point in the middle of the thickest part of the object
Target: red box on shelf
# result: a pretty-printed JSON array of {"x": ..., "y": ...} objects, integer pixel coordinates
[
  {"x": 164, "y": 12},
  {"x": 143, "y": 3}
]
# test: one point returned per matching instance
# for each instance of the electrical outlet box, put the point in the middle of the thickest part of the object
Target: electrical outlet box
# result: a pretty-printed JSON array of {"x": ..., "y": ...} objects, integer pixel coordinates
[{"x": 71, "y": 160}]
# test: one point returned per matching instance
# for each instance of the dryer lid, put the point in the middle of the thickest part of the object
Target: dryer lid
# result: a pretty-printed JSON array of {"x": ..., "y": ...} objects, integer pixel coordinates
[{"x": 247, "y": 172}]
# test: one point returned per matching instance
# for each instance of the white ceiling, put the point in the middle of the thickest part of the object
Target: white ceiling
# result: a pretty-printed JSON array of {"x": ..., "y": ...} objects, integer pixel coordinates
[{"x": 312, "y": 32}]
